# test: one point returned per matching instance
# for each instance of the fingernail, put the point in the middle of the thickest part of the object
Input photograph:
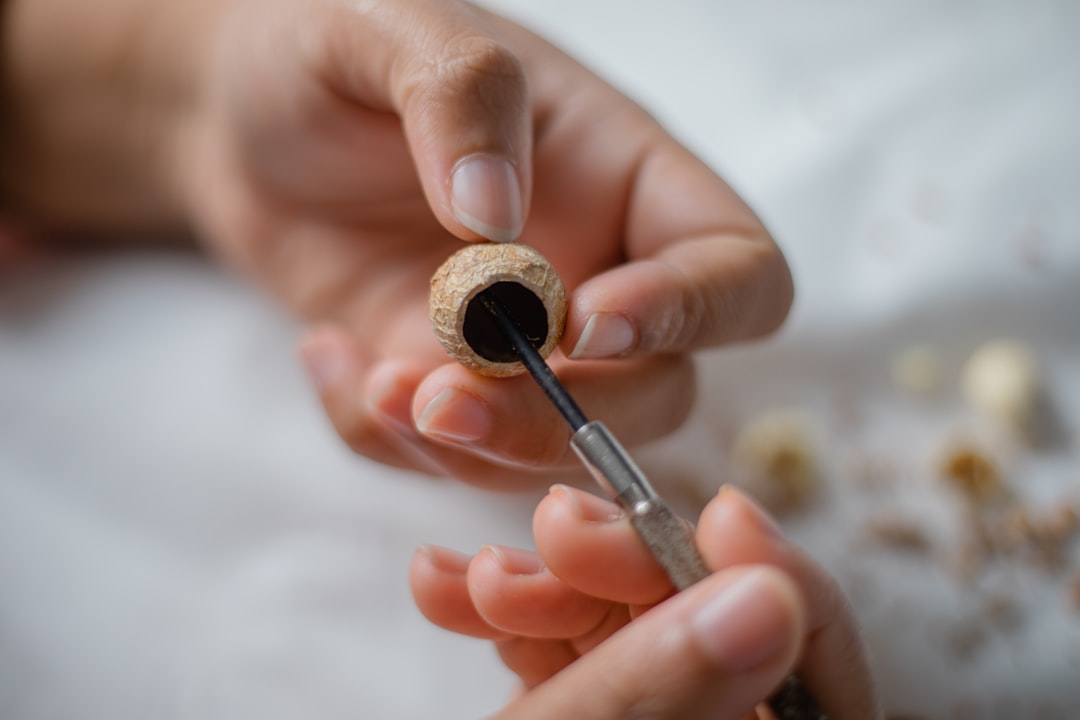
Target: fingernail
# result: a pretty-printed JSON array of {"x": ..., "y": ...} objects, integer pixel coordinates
[
  {"x": 456, "y": 416},
  {"x": 605, "y": 335},
  {"x": 739, "y": 502},
  {"x": 445, "y": 560},
  {"x": 587, "y": 506},
  {"x": 324, "y": 361},
  {"x": 515, "y": 561},
  {"x": 389, "y": 400},
  {"x": 486, "y": 197},
  {"x": 743, "y": 626}
]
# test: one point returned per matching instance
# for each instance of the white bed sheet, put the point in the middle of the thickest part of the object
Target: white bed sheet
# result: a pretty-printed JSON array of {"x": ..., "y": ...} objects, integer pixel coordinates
[{"x": 182, "y": 536}]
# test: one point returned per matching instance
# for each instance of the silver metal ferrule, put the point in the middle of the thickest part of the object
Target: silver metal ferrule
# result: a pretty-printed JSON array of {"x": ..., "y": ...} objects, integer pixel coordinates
[
  {"x": 665, "y": 534},
  {"x": 611, "y": 465}
]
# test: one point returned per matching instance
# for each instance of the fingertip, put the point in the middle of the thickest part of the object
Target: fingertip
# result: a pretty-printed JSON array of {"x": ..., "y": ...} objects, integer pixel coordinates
[
  {"x": 485, "y": 196},
  {"x": 505, "y": 421},
  {"x": 566, "y": 517},
  {"x": 474, "y": 158},
  {"x": 438, "y": 380},
  {"x": 733, "y": 512},
  {"x": 436, "y": 578},
  {"x": 634, "y": 308},
  {"x": 324, "y": 351},
  {"x": 713, "y": 651},
  {"x": 777, "y": 281},
  {"x": 451, "y": 406},
  {"x": 695, "y": 292},
  {"x": 424, "y": 554},
  {"x": 754, "y": 621},
  {"x": 589, "y": 543},
  {"x": 485, "y": 568},
  {"x": 601, "y": 320},
  {"x": 512, "y": 590},
  {"x": 734, "y": 531}
]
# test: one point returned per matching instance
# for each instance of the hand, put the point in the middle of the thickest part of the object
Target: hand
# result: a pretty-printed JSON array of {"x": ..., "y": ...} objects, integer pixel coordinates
[
  {"x": 590, "y": 626},
  {"x": 339, "y": 152}
]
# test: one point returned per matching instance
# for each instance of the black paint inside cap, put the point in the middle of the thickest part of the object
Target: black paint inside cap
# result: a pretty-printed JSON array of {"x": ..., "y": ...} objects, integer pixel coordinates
[{"x": 522, "y": 305}]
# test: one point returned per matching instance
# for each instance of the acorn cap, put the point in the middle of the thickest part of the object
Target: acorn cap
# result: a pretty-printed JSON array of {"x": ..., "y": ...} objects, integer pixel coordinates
[{"x": 523, "y": 282}]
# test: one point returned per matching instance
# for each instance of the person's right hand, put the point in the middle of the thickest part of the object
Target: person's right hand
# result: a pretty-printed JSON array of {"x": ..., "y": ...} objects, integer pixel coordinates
[{"x": 590, "y": 626}]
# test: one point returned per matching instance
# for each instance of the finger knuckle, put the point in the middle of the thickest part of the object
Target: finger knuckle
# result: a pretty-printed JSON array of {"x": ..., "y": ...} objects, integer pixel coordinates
[
  {"x": 482, "y": 69},
  {"x": 481, "y": 57}
]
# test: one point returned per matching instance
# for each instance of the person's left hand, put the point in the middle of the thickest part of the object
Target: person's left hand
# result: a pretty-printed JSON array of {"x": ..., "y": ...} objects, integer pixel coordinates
[
  {"x": 343, "y": 152},
  {"x": 340, "y": 152},
  {"x": 590, "y": 626}
]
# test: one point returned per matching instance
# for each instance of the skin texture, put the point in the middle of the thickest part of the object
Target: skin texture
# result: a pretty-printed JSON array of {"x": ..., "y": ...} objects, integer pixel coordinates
[
  {"x": 589, "y": 623},
  {"x": 313, "y": 145}
]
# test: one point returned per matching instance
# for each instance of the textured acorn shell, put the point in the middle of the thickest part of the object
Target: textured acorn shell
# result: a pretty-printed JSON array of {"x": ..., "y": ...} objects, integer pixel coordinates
[{"x": 477, "y": 267}]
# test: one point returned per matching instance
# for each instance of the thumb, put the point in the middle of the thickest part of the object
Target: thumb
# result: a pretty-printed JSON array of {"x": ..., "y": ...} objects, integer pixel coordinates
[
  {"x": 714, "y": 651},
  {"x": 462, "y": 99}
]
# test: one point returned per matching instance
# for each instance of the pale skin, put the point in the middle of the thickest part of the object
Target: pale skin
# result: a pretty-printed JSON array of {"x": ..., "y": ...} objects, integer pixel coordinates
[{"x": 338, "y": 152}]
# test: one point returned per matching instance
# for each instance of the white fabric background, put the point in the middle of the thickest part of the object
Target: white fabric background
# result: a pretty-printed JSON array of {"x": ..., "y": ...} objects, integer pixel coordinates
[{"x": 182, "y": 536}]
